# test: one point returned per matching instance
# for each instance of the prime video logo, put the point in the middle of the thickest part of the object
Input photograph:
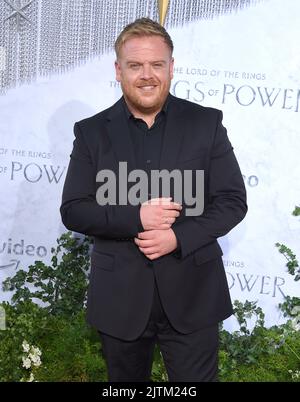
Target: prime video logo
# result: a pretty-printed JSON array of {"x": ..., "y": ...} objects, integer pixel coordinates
[{"x": 185, "y": 184}]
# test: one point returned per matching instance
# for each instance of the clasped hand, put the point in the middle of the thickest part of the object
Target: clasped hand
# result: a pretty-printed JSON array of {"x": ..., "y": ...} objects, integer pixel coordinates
[{"x": 157, "y": 216}]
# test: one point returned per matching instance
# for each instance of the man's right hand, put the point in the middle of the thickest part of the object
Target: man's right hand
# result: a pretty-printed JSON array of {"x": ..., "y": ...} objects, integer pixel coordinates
[{"x": 159, "y": 213}]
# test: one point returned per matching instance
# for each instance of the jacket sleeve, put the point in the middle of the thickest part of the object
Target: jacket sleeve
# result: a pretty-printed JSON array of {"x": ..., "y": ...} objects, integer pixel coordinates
[
  {"x": 80, "y": 211},
  {"x": 226, "y": 205}
]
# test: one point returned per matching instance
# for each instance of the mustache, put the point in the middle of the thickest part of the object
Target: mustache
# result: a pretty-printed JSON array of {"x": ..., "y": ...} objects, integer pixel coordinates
[{"x": 146, "y": 83}]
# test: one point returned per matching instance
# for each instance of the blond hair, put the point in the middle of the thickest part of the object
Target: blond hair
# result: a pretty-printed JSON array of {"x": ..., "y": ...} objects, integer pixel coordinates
[{"x": 142, "y": 27}]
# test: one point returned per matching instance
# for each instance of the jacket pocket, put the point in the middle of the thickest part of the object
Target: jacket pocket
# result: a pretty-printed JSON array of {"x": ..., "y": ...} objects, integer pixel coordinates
[
  {"x": 194, "y": 162},
  {"x": 103, "y": 261},
  {"x": 195, "y": 158},
  {"x": 207, "y": 253}
]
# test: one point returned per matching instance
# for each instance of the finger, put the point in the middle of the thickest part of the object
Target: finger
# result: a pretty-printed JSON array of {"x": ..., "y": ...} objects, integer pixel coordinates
[
  {"x": 172, "y": 213},
  {"x": 149, "y": 250},
  {"x": 148, "y": 234},
  {"x": 164, "y": 226},
  {"x": 158, "y": 201},
  {"x": 168, "y": 221},
  {"x": 172, "y": 205},
  {"x": 164, "y": 200},
  {"x": 137, "y": 241},
  {"x": 153, "y": 256},
  {"x": 145, "y": 243}
]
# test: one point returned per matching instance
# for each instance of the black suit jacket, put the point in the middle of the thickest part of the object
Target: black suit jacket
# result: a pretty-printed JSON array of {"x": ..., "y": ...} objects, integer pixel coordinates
[{"x": 192, "y": 283}]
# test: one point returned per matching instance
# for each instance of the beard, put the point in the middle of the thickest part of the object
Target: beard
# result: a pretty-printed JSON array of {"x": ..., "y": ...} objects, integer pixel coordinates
[{"x": 146, "y": 103}]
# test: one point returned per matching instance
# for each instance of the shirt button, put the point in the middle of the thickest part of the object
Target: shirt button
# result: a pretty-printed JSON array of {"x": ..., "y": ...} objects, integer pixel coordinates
[{"x": 148, "y": 161}]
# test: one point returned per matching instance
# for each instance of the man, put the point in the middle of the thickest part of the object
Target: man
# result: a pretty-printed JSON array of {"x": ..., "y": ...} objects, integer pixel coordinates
[{"x": 156, "y": 273}]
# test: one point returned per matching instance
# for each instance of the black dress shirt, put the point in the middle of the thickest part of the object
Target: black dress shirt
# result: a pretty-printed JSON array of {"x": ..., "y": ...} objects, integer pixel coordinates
[{"x": 147, "y": 143}]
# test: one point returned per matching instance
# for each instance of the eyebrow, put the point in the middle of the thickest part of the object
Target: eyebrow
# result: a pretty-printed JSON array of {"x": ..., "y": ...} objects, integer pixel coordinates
[{"x": 138, "y": 62}]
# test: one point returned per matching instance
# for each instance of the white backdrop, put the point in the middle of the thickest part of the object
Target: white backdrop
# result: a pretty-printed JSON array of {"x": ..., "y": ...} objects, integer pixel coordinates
[{"x": 246, "y": 63}]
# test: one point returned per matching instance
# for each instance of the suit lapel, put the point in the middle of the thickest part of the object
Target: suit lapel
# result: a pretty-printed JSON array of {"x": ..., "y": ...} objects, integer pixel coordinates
[
  {"x": 173, "y": 136},
  {"x": 118, "y": 131}
]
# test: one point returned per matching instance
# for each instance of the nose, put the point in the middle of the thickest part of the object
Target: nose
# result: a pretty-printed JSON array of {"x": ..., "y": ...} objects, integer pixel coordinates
[{"x": 146, "y": 71}]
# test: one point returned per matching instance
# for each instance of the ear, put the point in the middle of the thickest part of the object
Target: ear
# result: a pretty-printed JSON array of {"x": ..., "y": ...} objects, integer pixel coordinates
[
  {"x": 118, "y": 71},
  {"x": 172, "y": 68}
]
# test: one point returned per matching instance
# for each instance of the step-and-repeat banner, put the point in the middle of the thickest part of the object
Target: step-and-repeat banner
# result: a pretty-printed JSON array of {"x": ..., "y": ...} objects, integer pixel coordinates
[{"x": 57, "y": 67}]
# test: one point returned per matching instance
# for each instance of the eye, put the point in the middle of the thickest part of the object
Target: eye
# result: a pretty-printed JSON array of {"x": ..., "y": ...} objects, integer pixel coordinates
[
  {"x": 158, "y": 65},
  {"x": 134, "y": 66}
]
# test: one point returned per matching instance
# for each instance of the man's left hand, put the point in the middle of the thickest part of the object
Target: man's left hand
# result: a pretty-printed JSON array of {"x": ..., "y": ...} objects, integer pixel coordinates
[{"x": 156, "y": 243}]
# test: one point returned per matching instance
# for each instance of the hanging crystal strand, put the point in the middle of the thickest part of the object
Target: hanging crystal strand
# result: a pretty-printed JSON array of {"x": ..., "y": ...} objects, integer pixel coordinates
[
  {"x": 70, "y": 34},
  {"x": 85, "y": 34},
  {"x": 21, "y": 33},
  {"x": 9, "y": 43},
  {"x": 212, "y": 10},
  {"x": 103, "y": 27},
  {"x": 44, "y": 39},
  {"x": 94, "y": 31},
  {"x": 121, "y": 19},
  {"x": 111, "y": 23},
  {"x": 222, "y": 6},
  {"x": 185, "y": 11},
  {"x": 199, "y": 9},
  {"x": 124, "y": 18},
  {"x": 106, "y": 29},
  {"x": 152, "y": 10},
  {"x": 58, "y": 44},
  {"x": 168, "y": 16},
  {"x": 79, "y": 26},
  {"x": 91, "y": 29},
  {"x": 115, "y": 24},
  {"x": 97, "y": 26},
  {"x": 50, "y": 33},
  {"x": 189, "y": 10},
  {"x": 12, "y": 54},
  {"x": 76, "y": 34},
  {"x": 175, "y": 16},
  {"x": 63, "y": 35},
  {"x": 115, "y": 11},
  {"x": 30, "y": 43},
  {"x": 132, "y": 10},
  {"x": 181, "y": 14},
  {"x": 62, "y": 27},
  {"x": 241, "y": 3},
  {"x": 140, "y": 9},
  {"x": 205, "y": 10},
  {"x": 3, "y": 44}
]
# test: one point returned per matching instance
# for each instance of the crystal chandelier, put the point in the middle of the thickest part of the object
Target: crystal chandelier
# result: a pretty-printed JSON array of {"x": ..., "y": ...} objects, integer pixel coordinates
[{"x": 42, "y": 37}]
